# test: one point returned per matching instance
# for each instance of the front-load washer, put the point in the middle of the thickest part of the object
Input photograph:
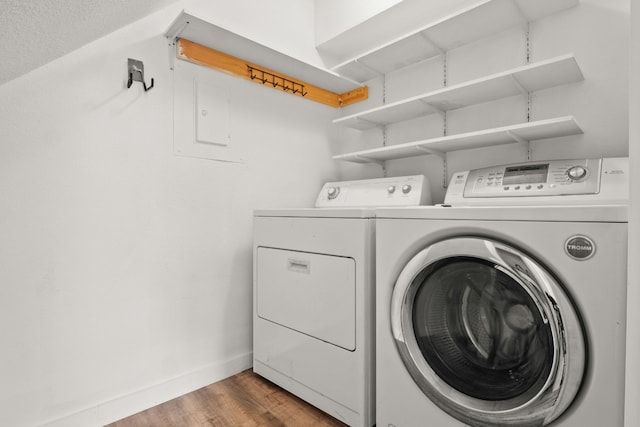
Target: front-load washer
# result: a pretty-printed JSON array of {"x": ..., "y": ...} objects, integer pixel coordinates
[
  {"x": 496, "y": 315},
  {"x": 314, "y": 294}
]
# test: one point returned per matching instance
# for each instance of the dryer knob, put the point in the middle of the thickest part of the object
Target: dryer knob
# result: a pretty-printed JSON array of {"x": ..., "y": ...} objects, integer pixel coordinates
[
  {"x": 406, "y": 189},
  {"x": 332, "y": 192},
  {"x": 391, "y": 189}
]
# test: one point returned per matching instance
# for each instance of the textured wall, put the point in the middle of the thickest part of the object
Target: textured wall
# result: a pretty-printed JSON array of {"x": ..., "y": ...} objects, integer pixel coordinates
[{"x": 38, "y": 31}]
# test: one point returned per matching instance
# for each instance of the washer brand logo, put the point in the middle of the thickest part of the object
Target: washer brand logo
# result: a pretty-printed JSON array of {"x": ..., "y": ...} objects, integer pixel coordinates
[{"x": 580, "y": 247}]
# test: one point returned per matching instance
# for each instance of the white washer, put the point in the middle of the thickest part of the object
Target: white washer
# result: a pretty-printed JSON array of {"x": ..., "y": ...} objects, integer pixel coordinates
[
  {"x": 505, "y": 315},
  {"x": 314, "y": 294}
]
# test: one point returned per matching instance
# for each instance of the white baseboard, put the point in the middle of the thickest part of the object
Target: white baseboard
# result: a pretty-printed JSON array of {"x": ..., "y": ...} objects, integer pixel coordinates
[{"x": 148, "y": 397}]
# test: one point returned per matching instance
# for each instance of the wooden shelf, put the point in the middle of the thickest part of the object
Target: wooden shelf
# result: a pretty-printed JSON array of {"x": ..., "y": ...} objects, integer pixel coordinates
[
  {"x": 529, "y": 78},
  {"x": 196, "y": 29},
  {"x": 523, "y": 132},
  {"x": 470, "y": 24}
]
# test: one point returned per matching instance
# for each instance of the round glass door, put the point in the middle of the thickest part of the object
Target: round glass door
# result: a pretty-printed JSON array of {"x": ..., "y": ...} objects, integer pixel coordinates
[{"x": 487, "y": 333}]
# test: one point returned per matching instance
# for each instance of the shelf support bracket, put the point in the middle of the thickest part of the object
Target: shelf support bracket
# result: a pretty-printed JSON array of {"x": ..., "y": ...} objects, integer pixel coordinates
[
  {"x": 441, "y": 112},
  {"x": 432, "y": 43},
  {"x": 526, "y": 142},
  {"x": 172, "y": 55},
  {"x": 524, "y": 17},
  {"x": 369, "y": 160},
  {"x": 443, "y": 156},
  {"x": 426, "y": 150},
  {"x": 369, "y": 122},
  {"x": 517, "y": 137},
  {"x": 519, "y": 85},
  {"x": 172, "y": 37},
  {"x": 368, "y": 67},
  {"x": 445, "y": 172},
  {"x": 384, "y": 144}
]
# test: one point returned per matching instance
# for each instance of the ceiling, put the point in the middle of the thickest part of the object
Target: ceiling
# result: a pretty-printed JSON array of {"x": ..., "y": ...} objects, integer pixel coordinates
[{"x": 35, "y": 32}]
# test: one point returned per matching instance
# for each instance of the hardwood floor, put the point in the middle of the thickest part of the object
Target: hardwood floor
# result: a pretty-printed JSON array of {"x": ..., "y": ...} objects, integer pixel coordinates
[{"x": 244, "y": 400}]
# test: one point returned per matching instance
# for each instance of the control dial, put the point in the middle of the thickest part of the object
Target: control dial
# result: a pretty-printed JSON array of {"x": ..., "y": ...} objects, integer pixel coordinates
[
  {"x": 406, "y": 188},
  {"x": 576, "y": 173},
  {"x": 332, "y": 192}
]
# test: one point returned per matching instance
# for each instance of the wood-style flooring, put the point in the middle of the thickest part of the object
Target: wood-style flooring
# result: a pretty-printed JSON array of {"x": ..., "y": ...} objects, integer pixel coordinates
[{"x": 243, "y": 400}]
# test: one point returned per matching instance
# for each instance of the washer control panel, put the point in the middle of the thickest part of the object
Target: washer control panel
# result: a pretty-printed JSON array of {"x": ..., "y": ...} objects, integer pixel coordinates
[
  {"x": 396, "y": 191},
  {"x": 535, "y": 179},
  {"x": 582, "y": 180}
]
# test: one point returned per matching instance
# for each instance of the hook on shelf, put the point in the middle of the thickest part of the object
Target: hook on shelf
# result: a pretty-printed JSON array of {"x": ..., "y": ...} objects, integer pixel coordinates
[
  {"x": 136, "y": 74},
  {"x": 278, "y": 82}
]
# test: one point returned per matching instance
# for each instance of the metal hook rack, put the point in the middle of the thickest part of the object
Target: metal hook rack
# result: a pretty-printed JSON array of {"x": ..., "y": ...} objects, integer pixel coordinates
[
  {"x": 276, "y": 81},
  {"x": 136, "y": 74}
]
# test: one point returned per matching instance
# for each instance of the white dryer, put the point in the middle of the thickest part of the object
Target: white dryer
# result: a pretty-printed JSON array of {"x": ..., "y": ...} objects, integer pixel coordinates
[
  {"x": 314, "y": 277},
  {"x": 496, "y": 315}
]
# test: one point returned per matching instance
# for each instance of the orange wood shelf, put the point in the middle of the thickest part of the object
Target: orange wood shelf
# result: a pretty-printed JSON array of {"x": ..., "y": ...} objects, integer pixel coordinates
[{"x": 205, "y": 56}]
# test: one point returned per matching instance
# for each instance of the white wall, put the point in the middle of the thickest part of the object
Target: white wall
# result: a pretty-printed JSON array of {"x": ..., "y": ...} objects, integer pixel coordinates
[
  {"x": 632, "y": 396},
  {"x": 596, "y": 31},
  {"x": 333, "y": 17},
  {"x": 126, "y": 271}
]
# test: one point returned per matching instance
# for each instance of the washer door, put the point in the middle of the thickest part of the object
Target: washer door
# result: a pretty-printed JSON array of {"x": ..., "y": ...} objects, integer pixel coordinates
[{"x": 487, "y": 334}]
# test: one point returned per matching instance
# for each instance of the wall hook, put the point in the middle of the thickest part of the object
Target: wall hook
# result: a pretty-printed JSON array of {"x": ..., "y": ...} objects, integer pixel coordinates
[{"x": 136, "y": 74}]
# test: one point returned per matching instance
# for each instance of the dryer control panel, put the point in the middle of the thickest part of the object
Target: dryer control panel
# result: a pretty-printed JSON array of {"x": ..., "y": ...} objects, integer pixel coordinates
[
  {"x": 585, "y": 181},
  {"x": 395, "y": 191}
]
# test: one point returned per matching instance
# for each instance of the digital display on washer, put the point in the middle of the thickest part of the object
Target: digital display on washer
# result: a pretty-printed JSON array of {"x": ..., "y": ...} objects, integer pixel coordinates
[{"x": 526, "y": 174}]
